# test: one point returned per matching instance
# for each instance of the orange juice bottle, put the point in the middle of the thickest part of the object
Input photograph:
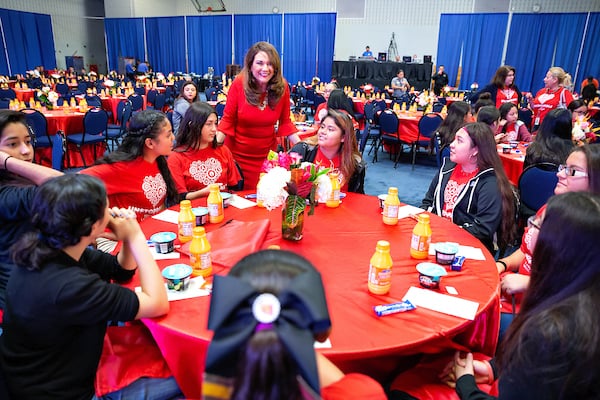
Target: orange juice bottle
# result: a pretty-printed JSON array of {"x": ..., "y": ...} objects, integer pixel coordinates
[
  {"x": 215, "y": 204},
  {"x": 421, "y": 238},
  {"x": 333, "y": 200},
  {"x": 391, "y": 206},
  {"x": 260, "y": 196},
  {"x": 200, "y": 253},
  {"x": 380, "y": 269},
  {"x": 186, "y": 221}
]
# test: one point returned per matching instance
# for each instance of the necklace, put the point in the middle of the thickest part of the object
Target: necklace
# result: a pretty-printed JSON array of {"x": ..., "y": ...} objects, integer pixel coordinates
[{"x": 263, "y": 104}]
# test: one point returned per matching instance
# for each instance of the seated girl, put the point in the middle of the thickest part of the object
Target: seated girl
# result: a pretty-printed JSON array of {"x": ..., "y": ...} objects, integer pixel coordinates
[
  {"x": 511, "y": 127},
  {"x": 266, "y": 315},
  {"x": 197, "y": 161},
  {"x": 337, "y": 148},
  {"x": 472, "y": 190},
  {"x": 60, "y": 298},
  {"x": 136, "y": 175}
]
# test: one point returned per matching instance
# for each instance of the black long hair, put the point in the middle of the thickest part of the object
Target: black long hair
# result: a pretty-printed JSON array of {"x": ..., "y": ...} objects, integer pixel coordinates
[
  {"x": 143, "y": 125},
  {"x": 62, "y": 212},
  {"x": 453, "y": 121},
  {"x": 556, "y": 335},
  {"x": 189, "y": 134},
  {"x": 8, "y": 117},
  {"x": 552, "y": 142}
]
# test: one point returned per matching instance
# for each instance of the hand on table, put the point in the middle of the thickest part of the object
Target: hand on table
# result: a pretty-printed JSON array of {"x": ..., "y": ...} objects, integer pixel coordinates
[{"x": 514, "y": 283}]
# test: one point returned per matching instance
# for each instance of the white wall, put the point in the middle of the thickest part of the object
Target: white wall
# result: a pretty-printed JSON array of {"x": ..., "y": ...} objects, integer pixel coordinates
[{"x": 78, "y": 25}]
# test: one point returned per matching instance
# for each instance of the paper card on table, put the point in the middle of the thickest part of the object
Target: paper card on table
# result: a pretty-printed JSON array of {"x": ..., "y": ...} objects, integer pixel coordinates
[
  {"x": 470, "y": 252},
  {"x": 167, "y": 216},
  {"x": 443, "y": 303},
  {"x": 240, "y": 202},
  {"x": 164, "y": 256},
  {"x": 408, "y": 210},
  {"x": 323, "y": 345},
  {"x": 194, "y": 290}
]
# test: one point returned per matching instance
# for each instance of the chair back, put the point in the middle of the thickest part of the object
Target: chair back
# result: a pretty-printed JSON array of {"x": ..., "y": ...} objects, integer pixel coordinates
[
  {"x": 536, "y": 184},
  {"x": 440, "y": 152},
  {"x": 310, "y": 95},
  {"x": 428, "y": 124},
  {"x": 59, "y": 147},
  {"x": 8, "y": 93},
  {"x": 159, "y": 101},
  {"x": 93, "y": 100},
  {"x": 151, "y": 96},
  {"x": 170, "y": 116},
  {"x": 211, "y": 94},
  {"x": 62, "y": 89},
  {"x": 438, "y": 106},
  {"x": 379, "y": 105},
  {"x": 39, "y": 125},
  {"x": 137, "y": 101},
  {"x": 140, "y": 90},
  {"x": 95, "y": 121},
  {"x": 82, "y": 86},
  {"x": 388, "y": 123},
  {"x": 220, "y": 109},
  {"x": 169, "y": 95},
  {"x": 126, "y": 115},
  {"x": 369, "y": 111},
  {"x": 526, "y": 116},
  {"x": 4, "y": 104}
]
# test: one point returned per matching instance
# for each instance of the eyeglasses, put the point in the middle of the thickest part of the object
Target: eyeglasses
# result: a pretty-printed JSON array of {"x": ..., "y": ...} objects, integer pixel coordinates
[
  {"x": 570, "y": 171},
  {"x": 533, "y": 222}
]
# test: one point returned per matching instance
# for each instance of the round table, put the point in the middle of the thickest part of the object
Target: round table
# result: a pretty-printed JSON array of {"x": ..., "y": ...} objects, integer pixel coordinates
[
  {"x": 340, "y": 243},
  {"x": 513, "y": 161}
]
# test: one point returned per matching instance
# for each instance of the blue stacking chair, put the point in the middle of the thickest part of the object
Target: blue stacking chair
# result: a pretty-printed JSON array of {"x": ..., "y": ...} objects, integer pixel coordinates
[
  {"x": 95, "y": 125},
  {"x": 151, "y": 98},
  {"x": 39, "y": 126},
  {"x": 8, "y": 93},
  {"x": 428, "y": 125},
  {"x": 536, "y": 185},
  {"x": 159, "y": 101},
  {"x": 137, "y": 102},
  {"x": 371, "y": 130},
  {"x": 388, "y": 123},
  {"x": 220, "y": 109},
  {"x": 93, "y": 100},
  {"x": 115, "y": 132}
]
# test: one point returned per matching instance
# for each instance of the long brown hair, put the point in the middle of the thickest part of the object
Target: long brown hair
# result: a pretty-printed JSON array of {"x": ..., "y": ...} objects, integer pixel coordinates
[
  {"x": 275, "y": 87},
  {"x": 348, "y": 151},
  {"x": 487, "y": 157}
]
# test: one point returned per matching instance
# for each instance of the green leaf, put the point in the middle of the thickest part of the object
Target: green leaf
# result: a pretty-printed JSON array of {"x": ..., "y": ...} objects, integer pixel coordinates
[{"x": 294, "y": 206}]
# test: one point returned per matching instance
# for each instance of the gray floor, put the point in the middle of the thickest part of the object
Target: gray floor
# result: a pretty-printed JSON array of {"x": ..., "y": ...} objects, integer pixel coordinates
[{"x": 412, "y": 184}]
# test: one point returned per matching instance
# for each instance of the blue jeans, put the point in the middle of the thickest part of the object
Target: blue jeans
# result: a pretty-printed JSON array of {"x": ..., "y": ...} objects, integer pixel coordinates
[{"x": 146, "y": 389}]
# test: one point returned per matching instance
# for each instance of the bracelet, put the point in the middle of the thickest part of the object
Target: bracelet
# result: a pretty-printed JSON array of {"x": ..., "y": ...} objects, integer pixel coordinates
[
  {"x": 5, "y": 160},
  {"x": 490, "y": 372},
  {"x": 503, "y": 263}
]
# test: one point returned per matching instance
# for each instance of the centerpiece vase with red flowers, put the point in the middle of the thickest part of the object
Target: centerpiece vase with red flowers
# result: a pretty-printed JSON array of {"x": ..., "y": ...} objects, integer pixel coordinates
[{"x": 292, "y": 214}]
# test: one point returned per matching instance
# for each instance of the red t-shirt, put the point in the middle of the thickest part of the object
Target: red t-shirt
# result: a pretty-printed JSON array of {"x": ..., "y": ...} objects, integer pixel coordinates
[
  {"x": 136, "y": 185},
  {"x": 506, "y": 95},
  {"x": 196, "y": 169},
  {"x": 545, "y": 100},
  {"x": 321, "y": 160},
  {"x": 456, "y": 183}
]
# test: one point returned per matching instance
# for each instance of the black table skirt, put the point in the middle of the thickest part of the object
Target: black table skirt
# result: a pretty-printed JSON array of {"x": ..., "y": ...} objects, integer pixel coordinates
[{"x": 357, "y": 73}]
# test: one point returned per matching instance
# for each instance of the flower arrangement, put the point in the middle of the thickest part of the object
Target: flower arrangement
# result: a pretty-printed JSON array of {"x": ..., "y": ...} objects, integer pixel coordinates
[
  {"x": 582, "y": 131},
  {"x": 47, "y": 97},
  {"x": 110, "y": 85}
]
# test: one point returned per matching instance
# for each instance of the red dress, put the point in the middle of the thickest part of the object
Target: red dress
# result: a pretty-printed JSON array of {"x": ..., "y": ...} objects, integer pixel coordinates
[
  {"x": 545, "y": 100},
  {"x": 195, "y": 169},
  {"x": 251, "y": 131},
  {"x": 136, "y": 185}
]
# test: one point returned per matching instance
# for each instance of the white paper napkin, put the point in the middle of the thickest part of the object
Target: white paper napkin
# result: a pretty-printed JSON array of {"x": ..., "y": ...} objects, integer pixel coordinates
[
  {"x": 470, "y": 252},
  {"x": 408, "y": 210},
  {"x": 443, "y": 303},
  {"x": 240, "y": 202},
  {"x": 194, "y": 290},
  {"x": 167, "y": 216}
]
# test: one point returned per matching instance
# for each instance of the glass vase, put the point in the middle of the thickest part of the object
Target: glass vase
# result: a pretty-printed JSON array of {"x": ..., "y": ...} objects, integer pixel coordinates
[{"x": 292, "y": 217}]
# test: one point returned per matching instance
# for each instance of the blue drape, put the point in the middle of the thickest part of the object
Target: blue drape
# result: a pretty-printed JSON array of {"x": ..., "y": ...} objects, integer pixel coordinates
[
  {"x": 452, "y": 32},
  {"x": 203, "y": 50},
  {"x": 125, "y": 38},
  {"x": 29, "y": 41},
  {"x": 308, "y": 46},
  {"x": 166, "y": 44},
  {"x": 540, "y": 41},
  {"x": 590, "y": 58},
  {"x": 482, "y": 48},
  {"x": 249, "y": 29}
]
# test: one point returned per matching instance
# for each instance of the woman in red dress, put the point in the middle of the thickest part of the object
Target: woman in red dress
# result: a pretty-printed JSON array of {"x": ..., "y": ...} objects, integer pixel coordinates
[{"x": 258, "y": 99}]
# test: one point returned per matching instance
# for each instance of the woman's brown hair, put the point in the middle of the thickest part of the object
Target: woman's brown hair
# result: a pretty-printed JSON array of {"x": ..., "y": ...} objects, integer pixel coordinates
[{"x": 275, "y": 87}]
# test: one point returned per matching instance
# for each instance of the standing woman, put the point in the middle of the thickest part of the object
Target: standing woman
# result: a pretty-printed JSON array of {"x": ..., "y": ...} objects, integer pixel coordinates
[
  {"x": 472, "y": 190},
  {"x": 554, "y": 95},
  {"x": 502, "y": 88},
  {"x": 258, "y": 99},
  {"x": 19, "y": 178},
  {"x": 188, "y": 94},
  {"x": 136, "y": 175},
  {"x": 197, "y": 161}
]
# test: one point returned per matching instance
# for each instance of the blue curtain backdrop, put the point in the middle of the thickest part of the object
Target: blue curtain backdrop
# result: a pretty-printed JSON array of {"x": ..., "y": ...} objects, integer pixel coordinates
[
  {"x": 165, "y": 43},
  {"x": 125, "y": 38},
  {"x": 482, "y": 56},
  {"x": 453, "y": 28},
  {"x": 203, "y": 50},
  {"x": 590, "y": 58},
  {"x": 464, "y": 40},
  {"x": 249, "y": 29},
  {"x": 540, "y": 41},
  {"x": 29, "y": 41},
  {"x": 308, "y": 52}
]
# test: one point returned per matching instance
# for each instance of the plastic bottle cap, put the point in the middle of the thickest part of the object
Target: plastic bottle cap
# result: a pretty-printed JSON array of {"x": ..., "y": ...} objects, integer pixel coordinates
[
  {"x": 393, "y": 190},
  {"x": 199, "y": 230},
  {"x": 185, "y": 203},
  {"x": 383, "y": 245}
]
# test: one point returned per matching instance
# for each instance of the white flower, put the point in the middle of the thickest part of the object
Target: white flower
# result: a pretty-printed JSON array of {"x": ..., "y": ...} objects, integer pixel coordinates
[
  {"x": 577, "y": 132},
  {"x": 109, "y": 83},
  {"x": 272, "y": 187},
  {"x": 323, "y": 188},
  {"x": 52, "y": 97},
  {"x": 45, "y": 89}
]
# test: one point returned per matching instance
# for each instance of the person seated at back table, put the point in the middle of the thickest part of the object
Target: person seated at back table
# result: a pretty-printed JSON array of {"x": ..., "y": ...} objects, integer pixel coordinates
[
  {"x": 197, "y": 161},
  {"x": 188, "y": 94},
  {"x": 337, "y": 148},
  {"x": 266, "y": 315},
  {"x": 339, "y": 101},
  {"x": 367, "y": 52},
  {"x": 400, "y": 86},
  {"x": 579, "y": 115},
  {"x": 490, "y": 116},
  {"x": 553, "y": 140},
  {"x": 329, "y": 88},
  {"x": 459, "y": 113},
  {"x": 510, "y": 125},
  {"x": 472, "y": 190},
  {"x": 60, "y": 298}
]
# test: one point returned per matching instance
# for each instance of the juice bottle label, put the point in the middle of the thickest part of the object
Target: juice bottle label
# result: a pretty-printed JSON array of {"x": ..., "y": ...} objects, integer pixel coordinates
[
  {"x": 186, "y": 228},
  {"x": 200, "y": 261},
  {"x": 335, "y": 195},
  {"x": 213, "y": 209},
  {"x": 390, "y": 211},
  {"x": 380, "y": 276},
  {"x": 420, "y": 243}
]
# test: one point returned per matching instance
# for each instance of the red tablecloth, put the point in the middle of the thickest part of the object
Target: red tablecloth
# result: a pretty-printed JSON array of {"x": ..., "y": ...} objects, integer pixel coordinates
[
  {"x": 24, "y": 95},
  {"x": 110, "y": 103},
  {"x": 513, "y": 162},
  {"x": 69, "y": 123},
  {"x": 340, "y": 243}
]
